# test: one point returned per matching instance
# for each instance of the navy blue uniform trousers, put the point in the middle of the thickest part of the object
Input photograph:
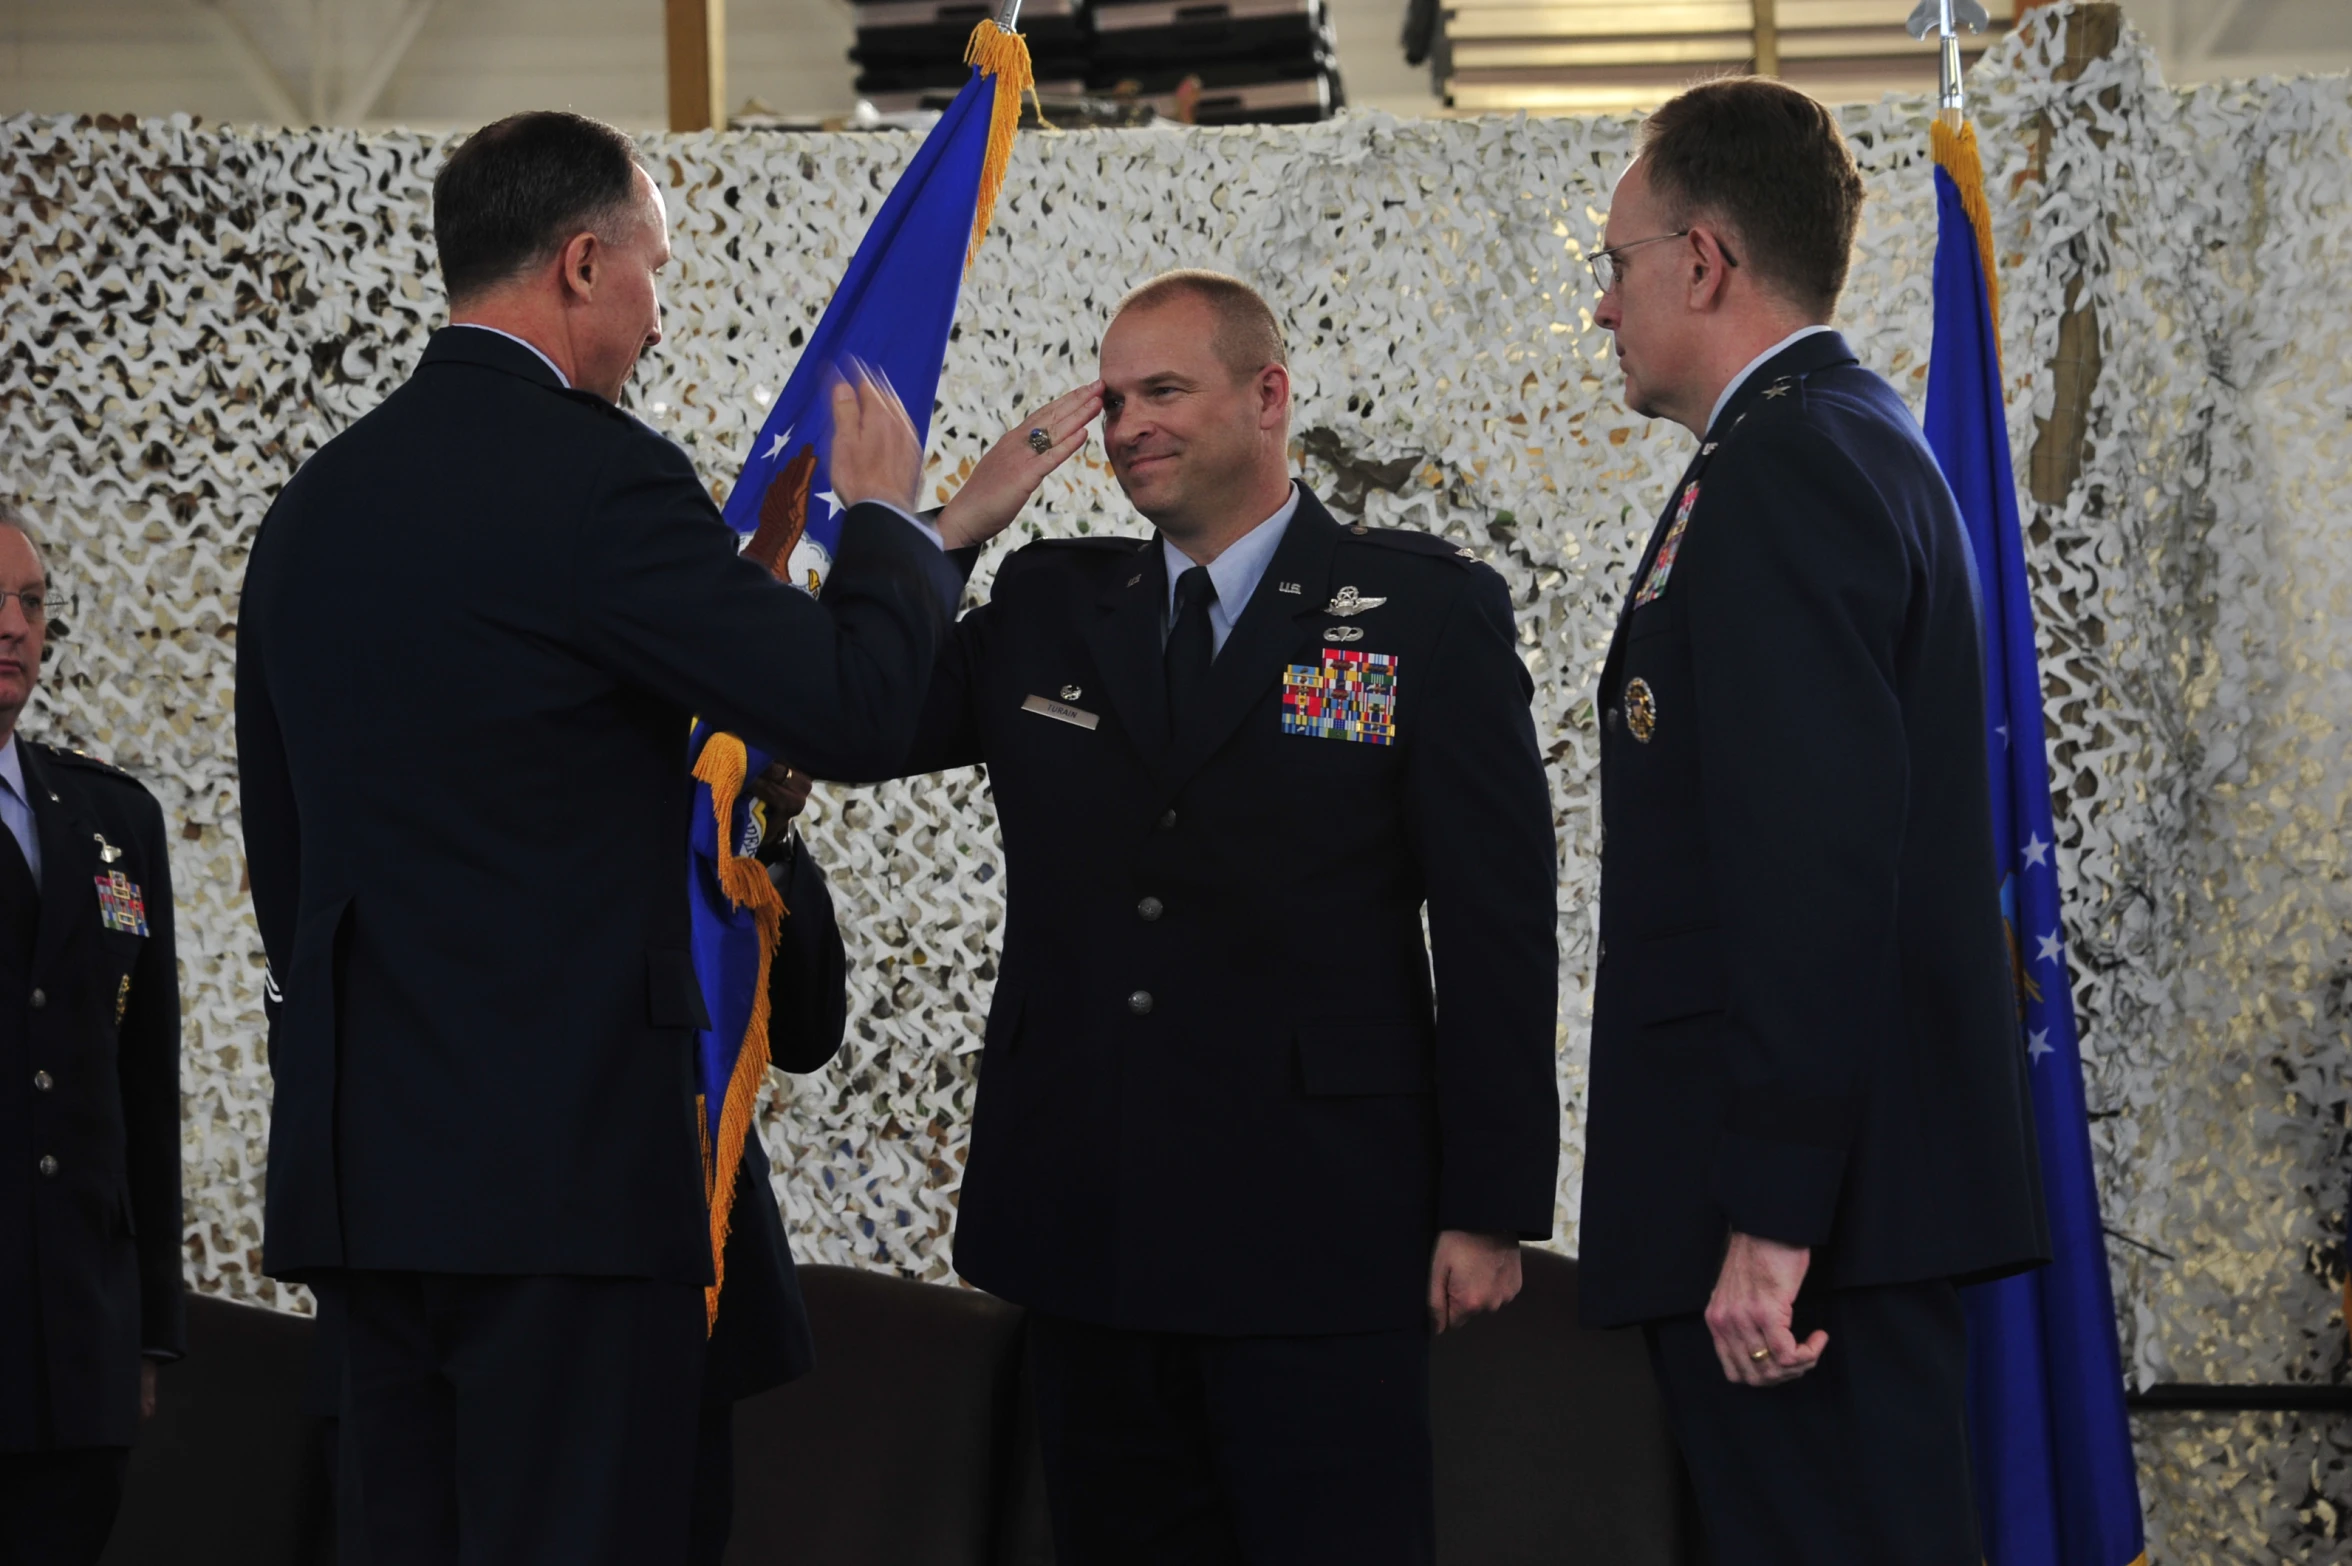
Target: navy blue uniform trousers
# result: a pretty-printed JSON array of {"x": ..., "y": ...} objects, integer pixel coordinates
[
  {"x": 1177, "y": 1449},
  {"x": 1861, "y": 1462},
  {"x": 523, "y": 1419}
]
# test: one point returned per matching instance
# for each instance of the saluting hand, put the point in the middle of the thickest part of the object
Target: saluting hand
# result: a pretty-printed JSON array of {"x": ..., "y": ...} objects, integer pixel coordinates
[
  {"x": 875, "y": 454},
  {"x": 1751, "y": 1313},
  {"x": 1469, "y": 1274},
  {"x": 1013, "y": 468}
]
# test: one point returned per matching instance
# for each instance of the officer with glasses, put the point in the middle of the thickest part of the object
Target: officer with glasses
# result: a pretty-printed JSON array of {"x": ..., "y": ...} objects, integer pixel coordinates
[{"x": 89, "y": 1109}]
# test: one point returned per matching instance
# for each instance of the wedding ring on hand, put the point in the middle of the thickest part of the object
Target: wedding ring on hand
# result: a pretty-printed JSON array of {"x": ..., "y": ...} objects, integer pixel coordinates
[
  {"x": 1039, "y": 441},
  {"x": 1760, "y": 1355}
]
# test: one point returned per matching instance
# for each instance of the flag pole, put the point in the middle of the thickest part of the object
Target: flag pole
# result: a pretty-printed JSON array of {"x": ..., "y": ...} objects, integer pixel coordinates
[
  {"x": 1011, "y": 14},
  {"x": 1945, "y": 18}
]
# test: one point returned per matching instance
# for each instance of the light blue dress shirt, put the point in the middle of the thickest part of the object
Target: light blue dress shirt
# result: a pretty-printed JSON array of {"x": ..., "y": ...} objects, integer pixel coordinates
[
  {"x": 1235, "y": 573},
  {"x": 16, "y": 807}
]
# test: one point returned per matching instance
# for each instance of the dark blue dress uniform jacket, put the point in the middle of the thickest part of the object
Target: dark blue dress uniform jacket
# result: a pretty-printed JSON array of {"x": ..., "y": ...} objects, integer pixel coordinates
[
  {"x": 1219, "y": 1092},
  {"x": 1804, "y": 1026},
  {"x": 89, "y": 1120},
  {"x": 475, "y": 627}
]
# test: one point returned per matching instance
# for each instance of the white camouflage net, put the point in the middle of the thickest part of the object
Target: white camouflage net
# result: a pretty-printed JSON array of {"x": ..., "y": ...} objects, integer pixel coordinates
[{"x": 190, "y": 312}]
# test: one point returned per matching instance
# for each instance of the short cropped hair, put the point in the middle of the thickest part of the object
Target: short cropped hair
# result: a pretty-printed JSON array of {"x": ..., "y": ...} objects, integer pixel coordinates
[
  {"x": 517, "y": 191},
  {"x": 1770, "y": 164},
  {"x": 1248, "y": 337},
  {"x": 10, "y": 516}
]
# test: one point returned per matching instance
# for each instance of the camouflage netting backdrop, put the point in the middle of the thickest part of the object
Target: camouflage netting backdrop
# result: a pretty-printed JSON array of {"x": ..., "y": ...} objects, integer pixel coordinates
[{"x": 191, "y": 311}]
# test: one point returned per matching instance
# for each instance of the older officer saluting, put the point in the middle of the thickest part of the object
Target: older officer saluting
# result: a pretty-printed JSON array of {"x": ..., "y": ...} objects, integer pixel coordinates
[
  {"x": 475, "y": 627},
  {"x": 1232, "y": 1149},
  {"x": 1809, "y": 1112},
  {"x": 89, "y": 1111}
]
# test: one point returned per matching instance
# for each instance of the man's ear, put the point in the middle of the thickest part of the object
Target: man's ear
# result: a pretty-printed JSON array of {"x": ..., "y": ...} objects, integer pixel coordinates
[
  {"x": 1710, "y": 266},
  {"x": 583, "y": 256},
  {"x": 1273, "y": 396}
]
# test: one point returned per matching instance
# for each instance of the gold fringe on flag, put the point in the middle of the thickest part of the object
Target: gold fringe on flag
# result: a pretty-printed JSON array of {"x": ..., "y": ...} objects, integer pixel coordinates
[
  {"x": 724, "y": 765},
  {"x": 1005, "y": 56},
  {"x": 1955, "y": 153}
]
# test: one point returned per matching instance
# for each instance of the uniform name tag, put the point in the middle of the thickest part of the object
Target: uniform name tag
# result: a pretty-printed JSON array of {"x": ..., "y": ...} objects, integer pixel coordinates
[
  {"x": 1352, "y": 696},
  {"x": 121, "y": 905},
  {"x": 1060, "y": 711}
]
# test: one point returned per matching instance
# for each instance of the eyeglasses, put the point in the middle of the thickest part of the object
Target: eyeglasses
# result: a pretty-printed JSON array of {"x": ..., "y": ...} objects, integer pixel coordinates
[
  {"x": 1608, "y": 266},
  {"x": 38, "y": 603}
]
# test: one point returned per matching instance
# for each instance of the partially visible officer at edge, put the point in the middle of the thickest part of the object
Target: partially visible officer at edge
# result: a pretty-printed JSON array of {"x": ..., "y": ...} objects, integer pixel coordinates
[
  {"x": 1809, "y": 1118},
  {"x": 89, "y": 1111},
  {"x": 474, "y": 629},
  {"x": 1244, "y": 1137}
]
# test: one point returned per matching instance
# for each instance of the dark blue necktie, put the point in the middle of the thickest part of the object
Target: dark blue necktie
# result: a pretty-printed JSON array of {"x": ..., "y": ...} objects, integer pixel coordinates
[{"x": 1191, "y": 647}]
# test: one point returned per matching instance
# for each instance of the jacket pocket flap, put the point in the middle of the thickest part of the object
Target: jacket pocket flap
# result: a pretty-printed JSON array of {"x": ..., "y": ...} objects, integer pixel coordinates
[
  {"x": 1365, "y": 1057},
  {"x": 1678, "y": 975},
  {"x": 673, "y": 996}
]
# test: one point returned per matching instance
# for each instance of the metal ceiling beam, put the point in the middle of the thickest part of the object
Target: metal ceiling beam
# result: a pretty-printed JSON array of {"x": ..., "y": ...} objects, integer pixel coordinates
[
  {"x": 277, "y": 98},
  {"x": 389, "y": 57}
]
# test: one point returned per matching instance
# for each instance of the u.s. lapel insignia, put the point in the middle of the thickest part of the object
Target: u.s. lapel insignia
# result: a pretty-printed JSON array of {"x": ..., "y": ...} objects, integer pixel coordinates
[
  {"x": 1072, "y": 692},
  {"x": 1641, "y": 709},
  {"x": 1654, "y": 585},
  {"x": 122, "y": 999},
  {"x": 1352, "y": 696},
  {"x": 1291, "y": 588},
  {"x": 121, "y": 905},
  {"x": 1348, "y": 601}
]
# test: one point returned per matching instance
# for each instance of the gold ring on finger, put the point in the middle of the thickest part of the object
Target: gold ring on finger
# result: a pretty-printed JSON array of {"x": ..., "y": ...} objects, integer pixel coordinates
[
  {"x": 1039, "y": 441},
  {"x": 1760, "y": 1355}
]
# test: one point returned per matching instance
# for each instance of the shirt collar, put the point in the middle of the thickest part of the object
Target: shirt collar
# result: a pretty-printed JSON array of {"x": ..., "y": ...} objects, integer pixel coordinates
[
  {"x": 477, "y": 326},
  {"x": 12, "y": 769},
  {"x": 1755, "y": 364},
  {"x": 1235, "y": 573}
]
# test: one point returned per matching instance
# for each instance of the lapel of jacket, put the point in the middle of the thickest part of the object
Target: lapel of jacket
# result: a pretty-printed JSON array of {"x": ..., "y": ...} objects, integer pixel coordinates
[
  {"x": 69, "y": 860},
  {"x": 1125, "y": 641},
  {"x": 1798, "y": 359},
  {"x": 1259, "y": 648}
]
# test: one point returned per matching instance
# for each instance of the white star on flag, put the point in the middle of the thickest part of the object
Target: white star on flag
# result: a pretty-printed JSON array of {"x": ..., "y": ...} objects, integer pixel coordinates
[
  {"x": 2037, "y": 1044},
  {"x": 777, "y": 449},
  {"x": 2049, "y": 951},
  {"x": 832, "y": 503},
  {"x": 2037, "y": 852}
]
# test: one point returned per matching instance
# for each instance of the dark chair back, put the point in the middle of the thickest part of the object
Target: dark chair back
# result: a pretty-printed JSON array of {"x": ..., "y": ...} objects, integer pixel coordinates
[
  {"x": 1552, "y": 1444},
  {"x": 227, "y": 1470},
  {"x": 899, "y": 1446}
]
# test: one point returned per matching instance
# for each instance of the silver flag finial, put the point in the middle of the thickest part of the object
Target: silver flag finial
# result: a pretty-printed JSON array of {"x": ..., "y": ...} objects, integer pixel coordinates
[
  {"x": 1011, "y": 14},
  {"x": 1944, "y": 19}
]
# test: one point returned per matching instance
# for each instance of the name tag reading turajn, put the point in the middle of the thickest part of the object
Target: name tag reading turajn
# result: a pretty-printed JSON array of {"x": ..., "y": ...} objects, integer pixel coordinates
[{"x": 1060, "y": 710}]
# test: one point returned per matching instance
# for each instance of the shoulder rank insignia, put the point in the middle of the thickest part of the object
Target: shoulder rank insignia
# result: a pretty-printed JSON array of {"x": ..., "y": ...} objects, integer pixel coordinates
[
  {"x": 1349, "y": 601},
  {"x": 1352, "y": 696},
  {"x": 121, "y": 905},
  {"x": 1777, "y": 389},
  {"x": 1654, "y": 586}
]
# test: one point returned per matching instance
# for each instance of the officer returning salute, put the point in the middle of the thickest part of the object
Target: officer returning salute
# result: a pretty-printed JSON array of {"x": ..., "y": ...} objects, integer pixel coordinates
[
  {"x": 1231, "y": 1149},
  {"x": 1809, "y": 1110},
  {"x": 89, "y": 1111},
  {"x": 475, "y": 627}
]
